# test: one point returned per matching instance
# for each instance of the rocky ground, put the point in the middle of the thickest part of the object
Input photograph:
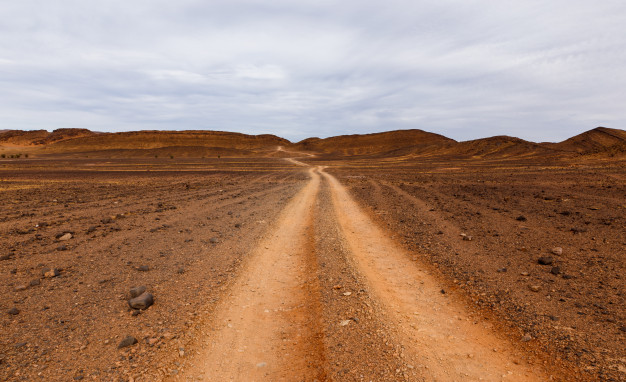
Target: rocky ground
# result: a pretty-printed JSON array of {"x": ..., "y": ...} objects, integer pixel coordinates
[
  {"x": 76, "y": 236},
  {"x": 542, "y": 247},
  {"x": 536, "y": 251}
]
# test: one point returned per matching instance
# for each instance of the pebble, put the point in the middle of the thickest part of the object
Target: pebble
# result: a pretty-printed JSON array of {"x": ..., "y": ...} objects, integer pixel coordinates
[
  {"x": 50, "y": 273},
  {"x": 35, "y": 282},
  {"x": 557, "y": 251},
  {"x": 65, "y": 237},
  {"x": 502, "y": 270},
  {"x": 143, "y": 268},
  {"x": 526, "y": 338},
  {"x": 555, "y": 270},
  {"x": 521, "y": 218},
  {"x": 545, "y": 260},
  {"x": 468, "y": 238},
  {"x": 261, "y": 364},
  {"x": 13, "y": 311},
  {"x": 5, "y": 257},
  {"x": 126, "y": 342},
  {"x": 214, "y": 240},
  {"x": 20, "y": 288},
  {"x": 144, "y": 301},
  {"x": 344, "y": 323},
  {"x": 137, "y": 291},
  {"x": 534, "y": 288}
]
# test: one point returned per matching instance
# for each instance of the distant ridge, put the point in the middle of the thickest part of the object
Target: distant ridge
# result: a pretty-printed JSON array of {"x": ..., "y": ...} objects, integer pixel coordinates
[
  {"x": 376, "y": 143},
  {"x": 598, "y": 142}
]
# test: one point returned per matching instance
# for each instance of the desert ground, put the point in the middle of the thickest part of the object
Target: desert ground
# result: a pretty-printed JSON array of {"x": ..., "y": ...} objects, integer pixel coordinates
[{"x": 288, "y": 264}]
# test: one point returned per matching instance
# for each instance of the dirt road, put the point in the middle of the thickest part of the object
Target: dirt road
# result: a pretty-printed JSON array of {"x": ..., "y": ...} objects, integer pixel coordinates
[{"x": 273, "y": 322}]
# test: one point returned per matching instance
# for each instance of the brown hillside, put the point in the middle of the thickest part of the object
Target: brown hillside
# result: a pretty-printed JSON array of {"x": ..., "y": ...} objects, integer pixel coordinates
[
  {"x": 497, "y": 147},
  {"x": 377, "y": 143},
  {"x": 160, "y": 139},
  {"x": 22, "y": 138},
  {"x": 593, "y": 141}
]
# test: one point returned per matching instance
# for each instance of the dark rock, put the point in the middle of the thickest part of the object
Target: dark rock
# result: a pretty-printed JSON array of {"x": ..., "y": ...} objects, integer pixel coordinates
[
  {"x": 136, "y": 312},
  {"x": 137, "y": 291},
  {"x": 5, "y": 257},
  {"x": 443, "y": 291},
  {"x": 126, "y": 342},
  {"x": 180, "y": 271},
  {"x": 468, "y": 238},
  {"x": 91, "y": 229},
  {"x": 555, "y": 270},
  {"x": 521, "y": 218},
  {"x": 545, "y": 260},
  {"x": 214, "y": 240},
  {"x": 238, "y": 225},
  {"x": 62, "y": 248},
  {"x": 576, "y": 230},
  {"x": 106, "y": 221},
  {"x": 502, "y": 270},
  {"x": 13, "y": 311},
  {"x": 144, "y": 301},
  {"x": 567, "y": 277},
  {"x": 20, "y": 344},
  {"x": 143, "y": 268}
]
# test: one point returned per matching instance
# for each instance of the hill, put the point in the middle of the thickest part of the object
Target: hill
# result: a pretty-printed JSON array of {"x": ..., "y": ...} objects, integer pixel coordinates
[
  {"x": 595, "y": 141},
  {"x": 376, "y": 143}
]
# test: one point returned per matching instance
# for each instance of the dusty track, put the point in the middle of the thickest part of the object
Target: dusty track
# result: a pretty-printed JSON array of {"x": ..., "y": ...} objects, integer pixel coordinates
[{"x": 269, "y": 326}]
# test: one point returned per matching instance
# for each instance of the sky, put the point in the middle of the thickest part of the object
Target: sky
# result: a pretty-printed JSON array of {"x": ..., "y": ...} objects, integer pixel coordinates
[{"x": 467, "y": 69}]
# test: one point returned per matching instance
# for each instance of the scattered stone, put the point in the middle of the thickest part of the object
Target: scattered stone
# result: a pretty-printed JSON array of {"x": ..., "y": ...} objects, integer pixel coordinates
[
  {"x": 502, "y": 270},
  {"x": 521, "y": 218},
  {"x": 143, "y": 268},
  {"x": 5, "y": 257},
  {"x": 344, "y": 323},
  {"x": 180, "y": 271},
  {"x": 144, "y": 301},
  {"x": 92, "y": 229},
  {"x": 443, "y": 291},
  {"x": 137, "y": 291},
  {"x": 35, "y": 282},
  {"x": 555, "y": 270},
  {"x": 545, "y": 260},
  {"x": 136, "y": 312},
  {"x": 567, "y": 277},
  {"x": 13, "y": 311},
  {"x": 261, "y": 364},
  {"x": 126, "y": 342},
  {"x": 20, "y": 288},
  {"x": 526, "y": 338},
  {"x": 525, "y": 274},
  {"x": 576, "y": 230},
  {"x": 347, "y": 293},
  {"x": 214, "y": 240},
  {"x": 238, "y": 225},
  {"x": 62, "y": 248},
  {"x": 65, "y": 237},
  {"x": 534, "y": 288},
  {"x": 557, "y": 251},
  {"x": 50, "y": 273},
  {"x": 468, "y": 238}
]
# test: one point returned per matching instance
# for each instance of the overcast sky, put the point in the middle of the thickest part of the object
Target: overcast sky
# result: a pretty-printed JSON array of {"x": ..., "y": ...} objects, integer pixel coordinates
[{"x": 538, "y": 70}]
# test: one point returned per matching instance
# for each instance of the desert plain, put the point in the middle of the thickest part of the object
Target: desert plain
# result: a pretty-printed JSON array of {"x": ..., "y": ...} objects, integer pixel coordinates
[{"x": 399, "y": 256}]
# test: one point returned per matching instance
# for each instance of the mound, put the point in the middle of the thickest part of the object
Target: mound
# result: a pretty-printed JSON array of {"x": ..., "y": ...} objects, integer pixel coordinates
[
  {"x": 377, "y": 143},
  {"x": 497, "y": 147},
  {"x": 594, "y": 141},
  {"x": 159, "y": 139}
]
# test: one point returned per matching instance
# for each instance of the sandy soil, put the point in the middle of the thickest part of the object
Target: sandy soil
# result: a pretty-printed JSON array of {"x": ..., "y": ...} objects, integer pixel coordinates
[{"x": 280, "y": 269}]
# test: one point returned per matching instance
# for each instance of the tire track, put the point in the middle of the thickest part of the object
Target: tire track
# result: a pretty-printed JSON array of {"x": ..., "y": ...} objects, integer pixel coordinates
[
  {"x": 442, "y": 338},
  {"x": 267, "y": 328}
]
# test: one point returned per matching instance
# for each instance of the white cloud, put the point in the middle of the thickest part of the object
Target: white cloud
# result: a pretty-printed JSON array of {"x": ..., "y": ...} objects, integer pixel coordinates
[{"x": 539, "y": 70}]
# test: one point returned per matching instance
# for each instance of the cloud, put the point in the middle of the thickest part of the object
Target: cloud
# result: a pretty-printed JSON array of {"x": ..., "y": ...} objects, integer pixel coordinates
[{"x": 466, "y": 69}]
